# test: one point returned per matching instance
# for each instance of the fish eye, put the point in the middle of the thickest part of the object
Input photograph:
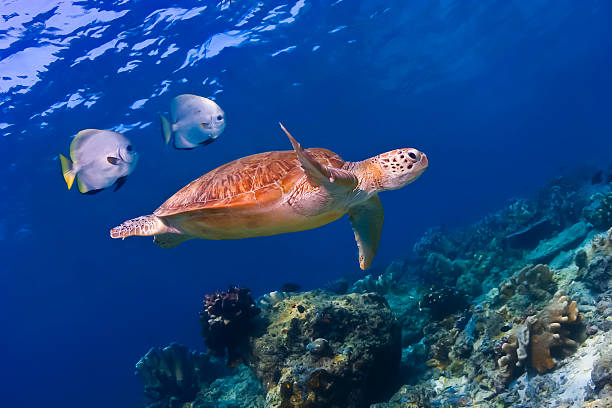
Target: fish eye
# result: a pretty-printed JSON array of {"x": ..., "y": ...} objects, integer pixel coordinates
[
  {"x": 129, "y": 148},
  {"x": 220, "y": 117}
]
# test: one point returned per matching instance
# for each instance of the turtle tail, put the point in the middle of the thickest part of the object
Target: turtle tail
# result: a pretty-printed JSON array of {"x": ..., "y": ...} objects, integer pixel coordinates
[{"x": 146, "y": 225}]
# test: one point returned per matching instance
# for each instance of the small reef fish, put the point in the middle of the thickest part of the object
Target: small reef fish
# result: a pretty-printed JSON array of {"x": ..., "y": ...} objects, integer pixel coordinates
[
  {"x": 290, "y": 287},
  {"x": 100, "y": 159},
  {"x": 196, "y": 121}
]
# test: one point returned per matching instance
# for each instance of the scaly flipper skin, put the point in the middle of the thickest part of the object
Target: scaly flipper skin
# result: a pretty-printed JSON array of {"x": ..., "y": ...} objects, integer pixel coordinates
[
  {"x": 146, "y": 225},
  {"x": 367, "y": 221},
  {"x": 170, "y": 240},
  {"x": 318, "y": 172}
]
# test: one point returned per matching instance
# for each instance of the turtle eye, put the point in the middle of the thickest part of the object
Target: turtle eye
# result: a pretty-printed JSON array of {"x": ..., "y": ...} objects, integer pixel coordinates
[
  {"x": 129, "y": 148},
  {"x": 220, "y": 117}
]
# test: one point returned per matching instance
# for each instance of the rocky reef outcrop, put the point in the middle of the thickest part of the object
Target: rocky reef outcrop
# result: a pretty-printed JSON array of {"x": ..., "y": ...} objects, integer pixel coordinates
[{"x": 317, "y": 349}]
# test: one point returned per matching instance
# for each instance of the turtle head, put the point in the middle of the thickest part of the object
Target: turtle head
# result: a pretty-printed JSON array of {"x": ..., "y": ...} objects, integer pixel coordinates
[{"x": 394, "y": 169}]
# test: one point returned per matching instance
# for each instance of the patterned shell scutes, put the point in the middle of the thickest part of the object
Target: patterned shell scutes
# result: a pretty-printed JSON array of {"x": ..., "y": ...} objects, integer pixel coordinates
[{"x": 253, "y": 180}]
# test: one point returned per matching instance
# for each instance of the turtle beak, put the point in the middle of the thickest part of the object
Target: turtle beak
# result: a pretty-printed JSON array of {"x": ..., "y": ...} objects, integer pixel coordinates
[{"x": 424, "y": 162}]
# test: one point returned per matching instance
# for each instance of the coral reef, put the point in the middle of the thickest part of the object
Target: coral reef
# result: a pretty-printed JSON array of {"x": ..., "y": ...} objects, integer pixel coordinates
[
  {"x": 173, "y": 375},
  {"x": 601, "y": 375},
  {"x": 599, "y": 211},
  {"x": 381, "y": 284},
  {"x": 568, "y": 238},
  {"x": 596, "y": 265},
  {"x": 270, "y": 299},
  {"x": 529, "y": 236},
  {"x": 321, "y": 350},
  {"x": 443, "y": 302},
  {"x": 532, "y": 284},
  {"x": 226, "y": 322},
  {"x": 409, "y": 396},
  {"x": 541, "y": 336},
  {"x": 514, "y": 310},
  {"x": 240, "y": 390}
]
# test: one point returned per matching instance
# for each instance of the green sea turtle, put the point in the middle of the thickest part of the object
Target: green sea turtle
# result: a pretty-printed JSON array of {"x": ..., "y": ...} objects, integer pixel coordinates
[{"x": 283, "y": 191}]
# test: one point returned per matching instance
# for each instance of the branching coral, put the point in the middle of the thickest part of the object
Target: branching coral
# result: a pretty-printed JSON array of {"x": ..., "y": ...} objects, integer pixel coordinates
[
  {"x": 552, "y": 332},
  {"x": 226, "y": 321}
]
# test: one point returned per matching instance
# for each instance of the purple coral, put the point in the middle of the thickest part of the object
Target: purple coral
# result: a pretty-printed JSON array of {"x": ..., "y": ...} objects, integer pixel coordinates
[{"x": 226, "y": 321}]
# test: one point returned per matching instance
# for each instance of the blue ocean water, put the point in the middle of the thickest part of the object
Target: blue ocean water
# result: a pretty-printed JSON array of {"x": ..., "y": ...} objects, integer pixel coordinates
[{"x": 502, "y": 96}]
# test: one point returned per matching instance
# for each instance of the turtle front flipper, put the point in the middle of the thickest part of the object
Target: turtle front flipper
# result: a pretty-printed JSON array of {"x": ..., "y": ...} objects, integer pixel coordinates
[
  {"x": 367, "y": 221},
  {"x": 146, "y": 225},
  {"x": 319, "y": 172},
  {"x": 170, "y": 240}
]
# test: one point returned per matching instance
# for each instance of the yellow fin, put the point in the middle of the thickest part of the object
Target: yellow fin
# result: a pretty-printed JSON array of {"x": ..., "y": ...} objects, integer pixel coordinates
[
  {"x": 81, "y": 186},
  {"x": 67, "y": 170},
  {"x": 166, "y": 129}
]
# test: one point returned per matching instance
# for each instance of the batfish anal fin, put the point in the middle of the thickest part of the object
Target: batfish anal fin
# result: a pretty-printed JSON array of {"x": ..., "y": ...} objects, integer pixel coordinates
[
  {"x": 181, "y": 140},
  {"x": 319, "y": 172},
  {"x": 207, "y": 142},
  {"x": 120, "y": 182},
  {"x": 84, "y": 189},
  {"x": 367, "y": 221}
]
